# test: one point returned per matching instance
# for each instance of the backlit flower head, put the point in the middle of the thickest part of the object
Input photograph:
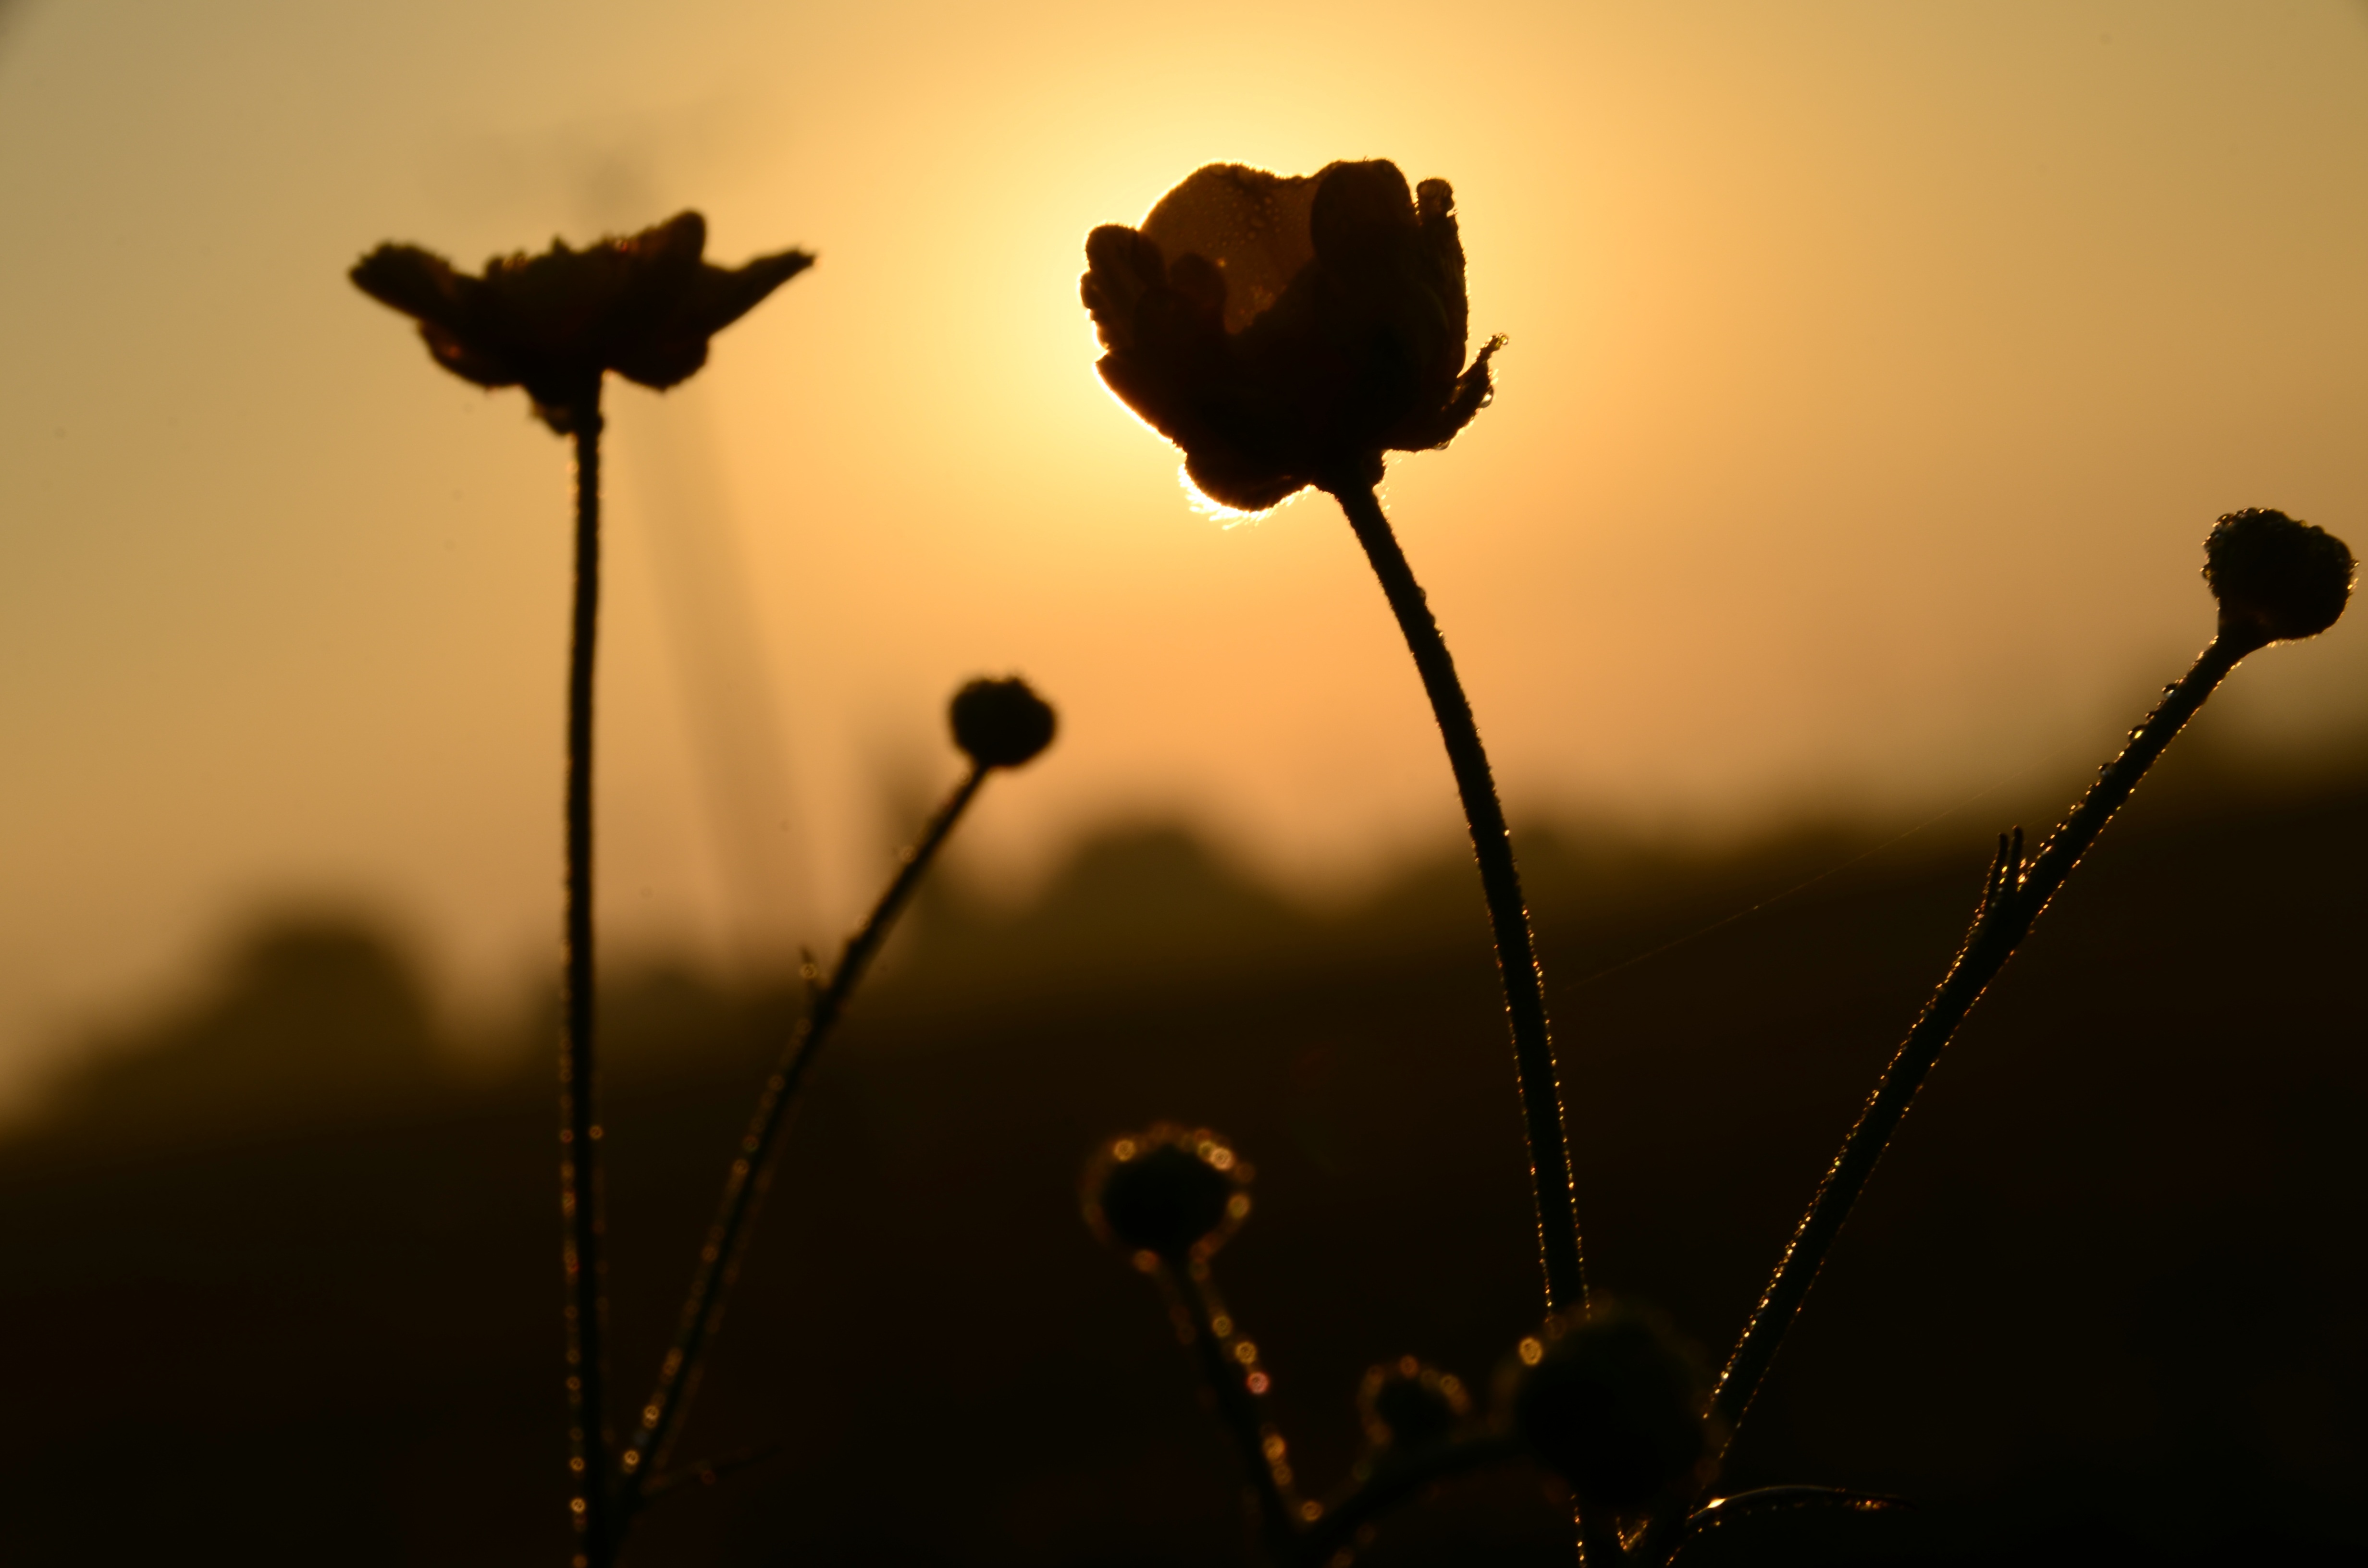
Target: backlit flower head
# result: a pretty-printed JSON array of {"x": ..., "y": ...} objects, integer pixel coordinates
[
  {"x": 642, "y": 305},
  {"x": 1286, "y": 332},
  {"x": 2276, "y": 576}
]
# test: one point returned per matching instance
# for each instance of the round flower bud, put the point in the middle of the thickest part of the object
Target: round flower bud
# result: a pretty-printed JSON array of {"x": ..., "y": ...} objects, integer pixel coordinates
[
  {"x": 1169, "y": 1193},
  {"x": 2275, "y": 578},
  {"x": 1408, "y": 1405},
  {"x": 1001, "y": 724},
  {"x": 1614, "y": 1403}
]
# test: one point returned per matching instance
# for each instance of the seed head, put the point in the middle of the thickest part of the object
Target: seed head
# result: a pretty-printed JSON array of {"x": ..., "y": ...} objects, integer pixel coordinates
[
  {"x": 1614, "y": 1403},
  {"x": 1001, "y": 724},
  {"x": 1171, "y": 1192},
  {"x": 1408, "y": 1405},
  {"x": 2275, "y": 577}
]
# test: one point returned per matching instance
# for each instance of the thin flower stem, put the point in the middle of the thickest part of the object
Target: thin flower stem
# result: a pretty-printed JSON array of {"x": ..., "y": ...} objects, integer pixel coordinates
[
  {"x": 1517, "y": 961},
  {"x": 1598, "y": 1540},
  {"x": 1237, "y": 1407},
  {"x": 579, "y": 1134},
  {"x": 744, "y": 1185},
  {"x": 2014, "y": 897},
  {"x": 1391, "y": 1485}
]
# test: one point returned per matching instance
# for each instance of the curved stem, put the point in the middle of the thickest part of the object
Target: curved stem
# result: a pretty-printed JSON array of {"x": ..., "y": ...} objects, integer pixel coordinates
[
  {"x": 1598, "y": 1540},
  {"x": 1517, "y": 961},
  {"x": 744, "y": 1185},
  {"x": 1238, "y": 1407},
  {"x": 2014, "y": 897},
  {"x": 1395, "y": 1483},
  {"x": 579, "y": 1134}
]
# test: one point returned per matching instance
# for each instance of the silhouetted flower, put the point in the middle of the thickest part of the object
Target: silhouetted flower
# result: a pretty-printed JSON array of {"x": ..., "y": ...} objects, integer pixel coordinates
[
  {"x": 1001, "y": 724},
  {"x": 1408, "y": 1405},
  {"x": 642, "y": 305},
  {"x": 1169, "y": 1192},
  {"x": 2276, "y": 577},
  {"x": 1614, "y": 1402},
  {"x": 1287, "y": 331}
]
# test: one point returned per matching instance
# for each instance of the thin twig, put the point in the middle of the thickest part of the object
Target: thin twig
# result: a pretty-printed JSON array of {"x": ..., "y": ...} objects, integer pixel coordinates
[
  {"x": 1517, "y": 961},
  {"x": 2013, "y": 897},
  {"x": 579, "y": 1134},
  {"x": 744, "y": 1186}
]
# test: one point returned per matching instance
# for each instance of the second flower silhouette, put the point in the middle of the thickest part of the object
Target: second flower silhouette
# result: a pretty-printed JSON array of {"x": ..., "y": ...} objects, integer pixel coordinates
[{"x": 642, "y": 305}]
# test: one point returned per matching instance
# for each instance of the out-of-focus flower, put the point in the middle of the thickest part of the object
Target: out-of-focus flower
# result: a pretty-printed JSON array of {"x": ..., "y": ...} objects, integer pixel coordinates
[
  {"x": 642, "y": 305},
  {"x": 1287, "y": 331},
  {"x": 2276, "y": 577},
  {"x": 1001, "y": 724},
  {"x": 1171, "y": 1192},
  {"x": 1614, "y": 1402}
]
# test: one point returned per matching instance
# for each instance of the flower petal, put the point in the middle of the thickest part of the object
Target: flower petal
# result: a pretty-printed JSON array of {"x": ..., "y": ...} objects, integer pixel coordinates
[
  {"x": 469, "y": 361},
  {"x": 1474, "y": 391},
  {"x": 1251, "y": 225},
  {"x": 418, "y": 282},
  {"x": 667, "y": 350},
  {"x": 1121, "y": 267}
]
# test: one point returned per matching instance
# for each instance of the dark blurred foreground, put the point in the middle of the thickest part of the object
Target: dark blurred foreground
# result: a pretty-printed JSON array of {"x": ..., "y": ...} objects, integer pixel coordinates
[{"x": 279, "y": 1285}]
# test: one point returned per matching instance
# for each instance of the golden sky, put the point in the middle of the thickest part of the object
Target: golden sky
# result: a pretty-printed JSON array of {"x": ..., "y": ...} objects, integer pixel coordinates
[{"x": 1875, "y": 370}]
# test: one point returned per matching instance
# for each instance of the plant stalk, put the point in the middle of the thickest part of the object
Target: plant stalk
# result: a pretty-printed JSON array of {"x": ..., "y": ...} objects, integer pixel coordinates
[
  {"x": 579, "y": 1134},
  {"x": 1517, "y": 961},
  {"x": 2015, "y": 896},
  {"x": 1237, "y": 1407},
  {"x": 1391, "y": 1485},
  {"x": 744, "y": 1184}
]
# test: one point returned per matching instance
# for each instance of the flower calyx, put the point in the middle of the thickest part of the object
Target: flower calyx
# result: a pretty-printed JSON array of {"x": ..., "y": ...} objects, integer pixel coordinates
[
  {"x": 642, "y": 305},
  {"x": 1287, "y": 331}
]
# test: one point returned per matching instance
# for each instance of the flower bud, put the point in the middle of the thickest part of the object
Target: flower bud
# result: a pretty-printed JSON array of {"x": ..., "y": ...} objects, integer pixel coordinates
[
  {"x": 1408, "y": 1405},
  {"x": 1169, "y": 1193},
  {"x": 1001, "y": 724},
  {"x": 2275, "y": 578},
  {"x": 1614, "y": 1403}
]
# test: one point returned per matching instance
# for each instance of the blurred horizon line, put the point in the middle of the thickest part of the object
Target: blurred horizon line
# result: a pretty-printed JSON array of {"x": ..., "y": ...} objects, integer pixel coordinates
[{"x": 1167, "y": 873}]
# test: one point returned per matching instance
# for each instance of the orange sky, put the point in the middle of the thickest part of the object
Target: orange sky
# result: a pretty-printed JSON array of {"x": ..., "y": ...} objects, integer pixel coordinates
[{"x": 1875, "y": 372}]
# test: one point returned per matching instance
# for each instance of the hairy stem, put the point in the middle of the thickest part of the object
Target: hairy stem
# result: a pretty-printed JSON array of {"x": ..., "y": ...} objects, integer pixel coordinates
[
  {"x": 2015, "y": 896},
  {"x": 744, "y": 1185},
  {"x": 1237, "y": 1407},
  {"x": 1517, "y": 961},
  {"x": 1598, "y": 1540},
  {"x": 579, "y": 1134}
]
